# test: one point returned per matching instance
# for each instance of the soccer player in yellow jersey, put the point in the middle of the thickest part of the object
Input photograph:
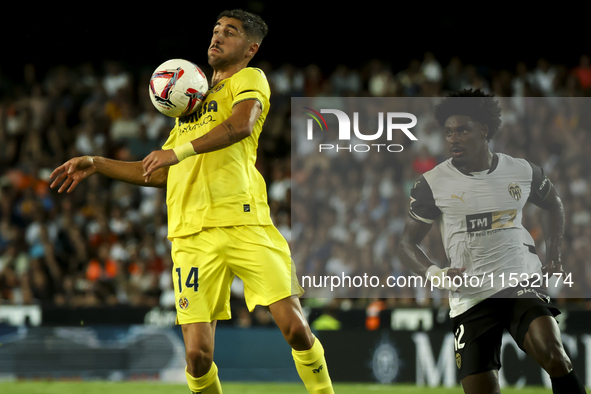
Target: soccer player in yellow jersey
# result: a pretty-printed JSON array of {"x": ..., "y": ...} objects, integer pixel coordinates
[{"x": 219, "y": 221}]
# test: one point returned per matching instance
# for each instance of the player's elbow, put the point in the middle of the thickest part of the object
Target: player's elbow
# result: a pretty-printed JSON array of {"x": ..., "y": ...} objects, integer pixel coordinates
[
  {"x": 238, "y": 129},
  {"x": 409, "y": 251},
  {"x": 244, "y": 118},
  {"x": 558, "y": 203},
  {"x": 242, "y": 132},
  {"x": 245, "y": 132},
  {"x": 404, "y": 248},
  {"x": 553, "y": 204}
]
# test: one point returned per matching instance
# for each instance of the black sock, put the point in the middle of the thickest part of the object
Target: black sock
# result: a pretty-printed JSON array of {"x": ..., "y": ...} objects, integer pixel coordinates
[{"x": 569, "y": 383}]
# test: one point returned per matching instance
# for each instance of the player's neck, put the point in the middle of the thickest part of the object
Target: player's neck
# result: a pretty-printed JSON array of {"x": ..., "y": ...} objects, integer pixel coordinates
[
  {"x": 220, "y": 74},
  {"x": 481, "y": 162}
]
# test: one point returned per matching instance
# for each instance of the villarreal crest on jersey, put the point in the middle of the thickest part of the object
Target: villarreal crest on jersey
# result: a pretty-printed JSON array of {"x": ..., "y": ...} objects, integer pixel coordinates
[{"x": 220, "y": 188}]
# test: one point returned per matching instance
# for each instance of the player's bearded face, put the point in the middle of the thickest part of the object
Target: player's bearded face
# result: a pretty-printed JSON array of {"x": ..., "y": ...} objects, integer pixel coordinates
[
  {"x": 466, "y": 139},
  {"x": 229, "y": 43}
]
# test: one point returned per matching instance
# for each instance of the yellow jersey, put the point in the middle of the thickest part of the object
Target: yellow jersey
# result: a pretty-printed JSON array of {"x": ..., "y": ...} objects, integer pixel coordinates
[{"x": 220, "y": 188}]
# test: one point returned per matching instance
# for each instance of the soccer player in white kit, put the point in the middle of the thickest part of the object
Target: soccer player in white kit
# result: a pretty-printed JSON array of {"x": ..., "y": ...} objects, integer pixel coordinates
[{"x": 476, "y": 198}]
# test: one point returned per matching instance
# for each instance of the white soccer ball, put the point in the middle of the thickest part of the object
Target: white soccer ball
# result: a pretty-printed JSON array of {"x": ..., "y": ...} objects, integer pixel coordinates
[{"x": 178, "y": 88}]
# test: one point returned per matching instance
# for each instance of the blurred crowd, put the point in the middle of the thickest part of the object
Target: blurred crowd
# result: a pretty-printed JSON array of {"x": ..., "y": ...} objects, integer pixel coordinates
[
  {"x": 349, "y": 208},
  {"x": 105, "y": 243}
]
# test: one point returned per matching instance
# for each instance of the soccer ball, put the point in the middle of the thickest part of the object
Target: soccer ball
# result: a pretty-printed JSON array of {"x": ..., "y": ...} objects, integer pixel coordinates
[{"x": 178, "y": 87}]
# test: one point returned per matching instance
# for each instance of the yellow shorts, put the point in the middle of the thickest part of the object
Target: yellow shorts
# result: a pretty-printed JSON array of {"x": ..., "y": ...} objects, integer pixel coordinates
[{"x": 205, "y": 265}]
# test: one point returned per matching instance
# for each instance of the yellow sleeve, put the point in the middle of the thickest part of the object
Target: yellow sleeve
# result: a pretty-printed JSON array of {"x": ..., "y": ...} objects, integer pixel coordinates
[{"x": 251, "y": 83}]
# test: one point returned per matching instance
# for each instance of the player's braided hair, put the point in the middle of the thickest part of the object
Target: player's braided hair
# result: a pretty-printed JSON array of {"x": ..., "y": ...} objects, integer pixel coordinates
[
  {"x": 480, "y": 107},
  {"x": 253, "y": 24}
]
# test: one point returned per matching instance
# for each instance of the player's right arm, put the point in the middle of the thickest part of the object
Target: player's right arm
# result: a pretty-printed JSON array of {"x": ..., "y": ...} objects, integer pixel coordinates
[
  {"x": 75, "y": 170},
  {"x": 413, "y": 257},
  {"x": 409, "y": 251},
  {"x": 422, "y": 214}
]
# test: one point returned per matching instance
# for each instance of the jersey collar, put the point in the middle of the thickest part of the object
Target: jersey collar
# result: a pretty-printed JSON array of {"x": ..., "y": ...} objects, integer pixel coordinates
[{"x": 493, "y": 166}]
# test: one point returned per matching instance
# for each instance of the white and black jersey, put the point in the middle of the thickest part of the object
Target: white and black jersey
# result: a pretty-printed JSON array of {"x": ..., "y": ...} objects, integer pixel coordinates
[{"x": 479, "y": 216}]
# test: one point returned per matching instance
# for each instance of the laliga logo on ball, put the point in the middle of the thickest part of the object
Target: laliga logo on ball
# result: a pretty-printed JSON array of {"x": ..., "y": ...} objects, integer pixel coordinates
[{"x": 345, "y": 129}]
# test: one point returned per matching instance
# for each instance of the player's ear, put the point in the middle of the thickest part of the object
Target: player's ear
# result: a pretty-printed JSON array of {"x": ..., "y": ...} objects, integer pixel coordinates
[
  {"x": 253, "y": 48},
  {"x": 485, "y": 132}
]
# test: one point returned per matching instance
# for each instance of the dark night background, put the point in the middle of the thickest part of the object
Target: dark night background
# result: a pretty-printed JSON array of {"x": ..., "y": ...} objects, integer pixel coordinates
[{"x": 493, "y": 36}]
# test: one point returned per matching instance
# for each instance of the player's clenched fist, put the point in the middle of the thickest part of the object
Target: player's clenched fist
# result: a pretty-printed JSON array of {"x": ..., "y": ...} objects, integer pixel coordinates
[
  {"x": 72, "y": 172},
  {"x": 443, "y": 278},
  {"x": 554, "y": 266}
]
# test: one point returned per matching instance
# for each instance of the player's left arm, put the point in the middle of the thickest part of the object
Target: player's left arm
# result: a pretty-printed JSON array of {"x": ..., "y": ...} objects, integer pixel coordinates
[
  {"x": 235, "y": 128},
  {"x": 544, "y": 195},
  {"x": 553, "y": 222}
]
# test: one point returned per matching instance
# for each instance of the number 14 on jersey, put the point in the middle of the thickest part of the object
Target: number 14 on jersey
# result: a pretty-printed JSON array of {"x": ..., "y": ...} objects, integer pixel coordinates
[{"x": 191, "y": 281}]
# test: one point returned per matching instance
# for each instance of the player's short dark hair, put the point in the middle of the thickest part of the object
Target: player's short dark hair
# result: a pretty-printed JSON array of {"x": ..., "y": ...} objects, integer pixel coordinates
[
  {"x": 253, "y": 24},
  {"x": 481, "y": 107}
]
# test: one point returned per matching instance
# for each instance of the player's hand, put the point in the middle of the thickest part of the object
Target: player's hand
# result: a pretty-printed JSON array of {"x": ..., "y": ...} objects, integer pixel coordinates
[
  {"x": 442, "y": 278},
  {"x": 72, "y": 172},
  {"x": 156, "y": 160},
  {"x": 553, "y": 267}
]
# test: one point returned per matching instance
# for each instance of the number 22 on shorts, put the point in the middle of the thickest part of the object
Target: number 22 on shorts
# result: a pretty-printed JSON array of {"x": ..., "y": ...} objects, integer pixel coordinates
[
  {"x": 192, "y": 279},
  {"x": 458, "y": 344}
]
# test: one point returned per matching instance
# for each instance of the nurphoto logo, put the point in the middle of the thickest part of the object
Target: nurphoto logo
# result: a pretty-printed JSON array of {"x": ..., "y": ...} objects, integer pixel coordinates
[{"x": 388, "y": 122}]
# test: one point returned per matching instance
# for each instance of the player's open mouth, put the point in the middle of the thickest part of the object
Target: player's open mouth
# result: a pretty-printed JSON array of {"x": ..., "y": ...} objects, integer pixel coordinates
[{"x": 455, "y": 152}]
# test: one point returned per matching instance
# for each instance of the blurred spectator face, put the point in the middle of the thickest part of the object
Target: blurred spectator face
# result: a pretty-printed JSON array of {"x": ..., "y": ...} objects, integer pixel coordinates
[{"x": 543, "y": 65}]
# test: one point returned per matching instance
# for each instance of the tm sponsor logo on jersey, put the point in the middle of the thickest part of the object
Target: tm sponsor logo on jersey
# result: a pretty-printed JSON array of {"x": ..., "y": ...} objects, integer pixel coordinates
[
  {"x": 386, "y": 123},
  {"x": 490, "y": 222}
]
